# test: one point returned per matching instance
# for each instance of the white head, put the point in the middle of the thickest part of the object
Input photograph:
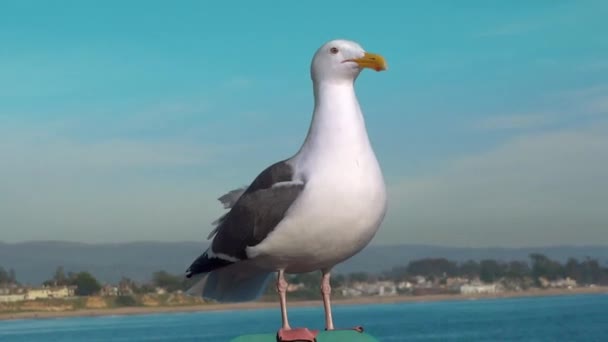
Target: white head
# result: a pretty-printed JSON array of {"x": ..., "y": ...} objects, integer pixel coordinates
[{"x": 343, "y": 60}]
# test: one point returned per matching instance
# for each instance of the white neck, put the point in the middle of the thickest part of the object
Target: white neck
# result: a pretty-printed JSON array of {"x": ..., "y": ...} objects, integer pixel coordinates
[{"x": 337, "y": 123}]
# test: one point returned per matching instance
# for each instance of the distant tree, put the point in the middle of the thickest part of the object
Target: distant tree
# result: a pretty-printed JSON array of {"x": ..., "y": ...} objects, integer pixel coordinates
[
  {"x": 144, "y": 288},
  {"x": 432, "y": 267},
  {"x": 591, "y": 271},
  {"x": 573, "y": 269},
  {"x": 490, "y": 271},
  {"x": 338, "y": 280},
  {"x": 167, "y": 281},
  {"x": 604, "y": 276},
  {"x": 126, "y": 301},
  {"x": 126, "y": 284},
  {"x": 398, "y": 273},
  {"x": 588, "y": 271},
  {"x": 542, "y": 266},
  {"x": 85, "y": 283},
  {"x": 469, "y": 269},
  {"x": 517, "y": 270},
  {"x": 310, "y": 280},
  {"x": 59, "y": 278},
  {"x": 358, "y": 277},
  {"x": 5, "y": 278},
  {"x": 12, "y": 276}
]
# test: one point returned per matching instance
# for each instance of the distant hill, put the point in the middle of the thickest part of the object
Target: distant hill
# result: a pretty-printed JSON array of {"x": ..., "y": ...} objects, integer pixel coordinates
[{"x": 36, "y": 261}]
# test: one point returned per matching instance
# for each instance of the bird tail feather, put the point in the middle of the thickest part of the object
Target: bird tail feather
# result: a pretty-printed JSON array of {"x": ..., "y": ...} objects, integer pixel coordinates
[{"x": 239, "y": 282}]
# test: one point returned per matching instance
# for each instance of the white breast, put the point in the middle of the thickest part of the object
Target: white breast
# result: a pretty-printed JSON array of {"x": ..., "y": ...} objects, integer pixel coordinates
[
  {"x": 337, "y": 214},
  {"x": 344, "y": 197}
]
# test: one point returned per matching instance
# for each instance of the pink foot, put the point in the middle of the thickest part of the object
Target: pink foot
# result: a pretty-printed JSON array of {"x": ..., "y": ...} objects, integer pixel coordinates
[
  {"x": 357, "y": 329},
  {"x": 298, "y": 334}
]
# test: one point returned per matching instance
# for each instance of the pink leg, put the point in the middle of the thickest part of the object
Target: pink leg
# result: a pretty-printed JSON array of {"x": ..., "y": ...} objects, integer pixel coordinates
[
  {"x": 326, "y": 293},
  {"x": 282, "y": 290},
  {"x": 286, "y": 333}
]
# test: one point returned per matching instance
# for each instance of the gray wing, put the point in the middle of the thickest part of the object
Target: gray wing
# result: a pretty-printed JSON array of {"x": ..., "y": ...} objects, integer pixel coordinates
[
  {"x": 228, "y": 200},
  {"x": 256, "y": 211},
  {"x": 253, "y": 215}
]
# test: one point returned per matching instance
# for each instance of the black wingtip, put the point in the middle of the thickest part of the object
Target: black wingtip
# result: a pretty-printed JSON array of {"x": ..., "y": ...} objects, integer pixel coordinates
[
  {"x": 205, "y": 264},
  {"x": 189, "y": 273}
]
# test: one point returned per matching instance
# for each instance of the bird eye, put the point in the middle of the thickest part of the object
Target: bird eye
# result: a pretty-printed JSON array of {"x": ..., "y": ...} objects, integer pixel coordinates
[{"x": 333, "y": 50}]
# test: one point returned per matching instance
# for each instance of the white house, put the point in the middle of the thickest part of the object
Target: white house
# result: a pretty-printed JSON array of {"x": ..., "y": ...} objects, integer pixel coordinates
[
  {"x": 11, "y": 297},
  {"x": 478, "y": 289}
]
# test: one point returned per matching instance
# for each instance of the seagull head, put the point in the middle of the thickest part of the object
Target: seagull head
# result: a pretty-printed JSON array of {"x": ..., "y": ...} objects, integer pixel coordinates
[{"x": 343, "y": 60}]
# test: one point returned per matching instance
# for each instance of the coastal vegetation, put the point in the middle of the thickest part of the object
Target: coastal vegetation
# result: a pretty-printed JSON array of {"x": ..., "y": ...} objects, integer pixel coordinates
[{"x": 429, "y": 276}]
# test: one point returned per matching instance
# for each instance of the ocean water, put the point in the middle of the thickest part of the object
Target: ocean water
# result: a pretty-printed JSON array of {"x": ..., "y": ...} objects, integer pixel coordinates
[{"x": 559, "y": 318}]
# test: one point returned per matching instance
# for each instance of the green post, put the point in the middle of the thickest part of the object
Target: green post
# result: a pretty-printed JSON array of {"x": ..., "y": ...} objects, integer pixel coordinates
[{"x": 324, "y": 336}]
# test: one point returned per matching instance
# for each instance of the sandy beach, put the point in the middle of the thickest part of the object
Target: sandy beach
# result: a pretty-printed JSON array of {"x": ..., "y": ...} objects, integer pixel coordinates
[{"x": 261, "y": 305}]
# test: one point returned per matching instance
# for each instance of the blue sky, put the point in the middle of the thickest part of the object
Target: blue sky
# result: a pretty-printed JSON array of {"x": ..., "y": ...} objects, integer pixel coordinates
[{"x": 124, "y": 121}]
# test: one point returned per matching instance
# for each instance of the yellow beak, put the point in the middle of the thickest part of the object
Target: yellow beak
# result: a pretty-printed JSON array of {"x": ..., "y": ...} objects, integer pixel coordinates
[{"x": 372, "y": 61}]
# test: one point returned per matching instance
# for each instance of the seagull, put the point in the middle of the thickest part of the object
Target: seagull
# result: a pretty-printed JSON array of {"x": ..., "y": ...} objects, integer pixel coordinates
[{"x": 306, "y": 213}]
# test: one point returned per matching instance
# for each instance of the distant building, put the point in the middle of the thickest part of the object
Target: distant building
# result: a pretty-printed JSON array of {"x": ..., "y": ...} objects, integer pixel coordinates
[
  {"x": 61, "y": 291},
  {"x": 109, "y": 290},
  {"x": 404, "y": 285},
  {"x": 386, "y": 288},
  {"x": 379, "y": 288},
  {"x": 37, "y": 293},
  {"x": 295, "y": 287},
  {"x": 125, "y": 289},
  {"x": 567, "y": 283},
  {"x": 456, "y": 282},
  {"x": 478, "y": 288},
  {"x": 419, "y": 280},
  {"x": 11, "y": 297},
  {"x": 351, "y": 292},
  {"x": 45, "y": 292}
]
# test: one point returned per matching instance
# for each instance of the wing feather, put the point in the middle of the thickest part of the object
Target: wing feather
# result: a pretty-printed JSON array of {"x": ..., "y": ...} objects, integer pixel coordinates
[{"x": 254, "y": 214}]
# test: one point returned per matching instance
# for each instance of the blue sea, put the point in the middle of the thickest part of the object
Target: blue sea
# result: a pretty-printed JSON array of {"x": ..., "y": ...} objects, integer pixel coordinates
[{"x": 559, "y": 318}]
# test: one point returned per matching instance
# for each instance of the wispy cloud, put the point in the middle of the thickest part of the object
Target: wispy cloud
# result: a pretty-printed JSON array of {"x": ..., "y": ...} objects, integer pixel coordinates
[
  {"x": 545, "y": 184},
  {"x": 599, "y": 105},
  {"x": 106, "y": 190},
  {"x": 566, "y": 106},
  {"x": 594, "y": 65},
  {"x": 586, "y": 93},
  {"x": 589, "y": 100},
  {"x": 519, "y": 121},
  {"x": 535, "y": 189},
  {"x": 115, "y": 154}
]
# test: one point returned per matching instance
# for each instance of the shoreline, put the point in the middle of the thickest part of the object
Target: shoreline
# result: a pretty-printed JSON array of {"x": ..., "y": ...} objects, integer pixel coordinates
[{"x": 142, "y": 310}]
